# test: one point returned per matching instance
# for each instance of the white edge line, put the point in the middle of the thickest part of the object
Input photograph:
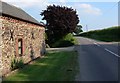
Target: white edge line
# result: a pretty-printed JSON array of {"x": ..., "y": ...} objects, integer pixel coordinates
[
  {"x": 108, "y": 50},
  {"x": 96, "y": 44},
  {"x": 112, "y": 52}
]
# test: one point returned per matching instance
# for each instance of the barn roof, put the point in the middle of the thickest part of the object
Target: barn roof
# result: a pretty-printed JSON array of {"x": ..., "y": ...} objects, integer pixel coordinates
[{"x": 10, "y": 10}]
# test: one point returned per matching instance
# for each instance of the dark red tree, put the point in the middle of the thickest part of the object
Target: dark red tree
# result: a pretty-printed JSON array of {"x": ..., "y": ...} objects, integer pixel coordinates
[{"x": 59, "y": 20}]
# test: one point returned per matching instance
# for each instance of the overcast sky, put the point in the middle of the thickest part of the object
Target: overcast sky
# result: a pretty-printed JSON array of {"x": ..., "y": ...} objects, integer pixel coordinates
[{"x": 96, "y": 14}]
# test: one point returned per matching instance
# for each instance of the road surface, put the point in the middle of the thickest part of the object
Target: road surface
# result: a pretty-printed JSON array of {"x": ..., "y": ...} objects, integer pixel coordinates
[{"x": 98, "y": 60}]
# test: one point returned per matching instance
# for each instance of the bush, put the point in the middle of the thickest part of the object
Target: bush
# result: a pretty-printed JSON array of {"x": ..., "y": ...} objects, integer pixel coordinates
[
  {"x": 15, "y": 63},
  {"x": 66, "y": 41}
]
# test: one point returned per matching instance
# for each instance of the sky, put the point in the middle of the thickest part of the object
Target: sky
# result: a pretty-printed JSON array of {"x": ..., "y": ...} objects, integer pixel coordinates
[{"x": 93, "y": 14}]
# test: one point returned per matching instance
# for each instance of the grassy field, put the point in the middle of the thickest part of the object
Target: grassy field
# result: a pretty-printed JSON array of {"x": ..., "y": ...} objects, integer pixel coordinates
[
  {"x": 111, "y": 34},
  {"x": 55, "y": 66}
]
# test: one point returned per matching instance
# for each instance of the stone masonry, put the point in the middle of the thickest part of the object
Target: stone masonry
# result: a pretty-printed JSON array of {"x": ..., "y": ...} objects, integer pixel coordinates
[{"x": 32, "y": 36}]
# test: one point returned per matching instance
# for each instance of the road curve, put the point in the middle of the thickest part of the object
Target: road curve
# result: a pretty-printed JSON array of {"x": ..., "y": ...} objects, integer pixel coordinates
[{"x": 98, "y": 60}]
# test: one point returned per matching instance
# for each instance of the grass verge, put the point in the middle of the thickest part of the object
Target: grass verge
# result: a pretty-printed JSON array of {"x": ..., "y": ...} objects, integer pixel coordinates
[{"x": 55, "y": 66}]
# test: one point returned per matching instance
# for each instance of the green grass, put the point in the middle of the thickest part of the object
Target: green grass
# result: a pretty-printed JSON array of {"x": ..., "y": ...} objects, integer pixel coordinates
[
  {"x": 55, "y": 66},
  {"x": 109, "y": 34}
]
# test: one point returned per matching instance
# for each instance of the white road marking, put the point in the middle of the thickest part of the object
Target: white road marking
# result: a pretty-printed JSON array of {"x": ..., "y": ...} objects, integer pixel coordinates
[
  {"x": 96, "y": 44},
  {"x": 112, "y": 52},
  {"x": 106, "y": 49}
]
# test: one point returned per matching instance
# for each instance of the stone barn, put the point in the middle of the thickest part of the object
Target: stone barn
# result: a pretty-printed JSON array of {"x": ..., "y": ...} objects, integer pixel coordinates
[{"x": 21, "y": 37}]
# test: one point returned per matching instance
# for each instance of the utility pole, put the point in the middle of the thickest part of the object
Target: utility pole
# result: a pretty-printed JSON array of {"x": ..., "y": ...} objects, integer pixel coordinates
[{"x": 87, "y": 28}]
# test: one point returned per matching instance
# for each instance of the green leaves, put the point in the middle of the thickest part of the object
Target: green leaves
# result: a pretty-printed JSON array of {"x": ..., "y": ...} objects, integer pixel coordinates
[{"x": 16, "y": 63}]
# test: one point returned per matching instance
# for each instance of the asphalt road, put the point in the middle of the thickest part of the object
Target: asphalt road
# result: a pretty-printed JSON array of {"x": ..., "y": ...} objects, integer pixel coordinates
[{"x": 98, "y": 60}]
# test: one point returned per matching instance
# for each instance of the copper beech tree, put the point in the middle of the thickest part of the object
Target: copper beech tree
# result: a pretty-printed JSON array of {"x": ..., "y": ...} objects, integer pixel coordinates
[{"x": 60, "y": 21}]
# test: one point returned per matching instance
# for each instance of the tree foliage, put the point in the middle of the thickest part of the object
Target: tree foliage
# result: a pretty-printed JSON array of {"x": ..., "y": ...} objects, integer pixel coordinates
[
  {"x": 78, "y": 29},
  {"x": 59, "y": 21}
]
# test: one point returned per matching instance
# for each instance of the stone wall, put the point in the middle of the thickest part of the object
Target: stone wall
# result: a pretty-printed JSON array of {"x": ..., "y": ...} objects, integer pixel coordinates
[
  {"x": 32, "y": 37},
  {"x": 0, "y": 48}
]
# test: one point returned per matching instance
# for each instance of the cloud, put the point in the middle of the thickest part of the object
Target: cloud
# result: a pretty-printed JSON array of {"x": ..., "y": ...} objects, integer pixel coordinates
[
  {"x": 63, "y": 1},
  {"x": 42, "y": 4},
  {"x": 87, "y": 0},
  {"x": 85, "y": 6},
  {"x": 37, "y": 5},
  {"x": 27, "y": 3},
  {"x": 87, "y": 9}
]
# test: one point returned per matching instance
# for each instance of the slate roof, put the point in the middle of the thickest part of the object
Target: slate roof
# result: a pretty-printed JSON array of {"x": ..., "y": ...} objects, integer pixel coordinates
[{"x": 10, "y": 10}]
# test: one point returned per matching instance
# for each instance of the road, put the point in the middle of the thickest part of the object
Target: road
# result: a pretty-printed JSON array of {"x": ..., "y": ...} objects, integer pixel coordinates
[{"x": 98, "y": 60}]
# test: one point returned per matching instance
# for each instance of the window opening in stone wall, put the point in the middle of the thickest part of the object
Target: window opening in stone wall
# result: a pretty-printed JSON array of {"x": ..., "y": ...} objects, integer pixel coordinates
[{"x": 20, "y": 47}]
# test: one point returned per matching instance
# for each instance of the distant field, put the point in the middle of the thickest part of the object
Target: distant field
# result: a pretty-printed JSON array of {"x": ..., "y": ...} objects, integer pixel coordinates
[{"x": 111, "y": 34}]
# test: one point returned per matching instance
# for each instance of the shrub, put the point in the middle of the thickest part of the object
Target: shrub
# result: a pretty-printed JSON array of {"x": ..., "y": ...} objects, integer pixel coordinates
[
  {"x": 66, "y": 41},
  {"x": 15, "y": 63}
]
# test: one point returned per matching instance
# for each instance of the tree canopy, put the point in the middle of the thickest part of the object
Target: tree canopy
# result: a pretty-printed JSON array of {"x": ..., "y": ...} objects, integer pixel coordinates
[
  {"x": 78, "y": 29},
  {"x": 60, "y": 21}
]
